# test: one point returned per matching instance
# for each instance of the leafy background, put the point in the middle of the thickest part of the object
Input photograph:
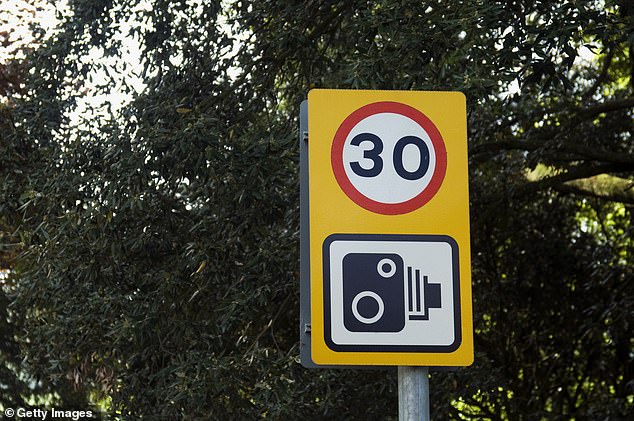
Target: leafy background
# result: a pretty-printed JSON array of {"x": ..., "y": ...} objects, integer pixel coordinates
[{"x": 149, "y": 202}]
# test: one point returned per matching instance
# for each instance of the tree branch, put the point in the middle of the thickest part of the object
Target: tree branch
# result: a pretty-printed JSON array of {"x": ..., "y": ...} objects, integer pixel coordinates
[
  {"x": 606, "y": 107},
  {"x": 621, "y": 197},
  {"x": 575, "y": 173},
  {"x": 582, "y": 151}
]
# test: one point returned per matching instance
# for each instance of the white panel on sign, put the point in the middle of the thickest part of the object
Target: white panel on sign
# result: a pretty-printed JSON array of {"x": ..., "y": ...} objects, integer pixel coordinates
[{"x": 391, "y": 292}]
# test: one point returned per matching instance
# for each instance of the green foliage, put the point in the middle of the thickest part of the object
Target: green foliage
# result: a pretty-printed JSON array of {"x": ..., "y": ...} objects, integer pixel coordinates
[{"x": 157, "y": 272}]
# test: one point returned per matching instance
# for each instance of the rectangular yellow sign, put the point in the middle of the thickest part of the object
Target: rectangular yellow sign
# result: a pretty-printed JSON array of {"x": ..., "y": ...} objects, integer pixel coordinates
[{"x": 390, "y": 277}]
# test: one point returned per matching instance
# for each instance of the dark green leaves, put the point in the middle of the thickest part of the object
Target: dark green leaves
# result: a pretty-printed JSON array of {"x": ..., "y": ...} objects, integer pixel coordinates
[{"x": 155, "y": 250}]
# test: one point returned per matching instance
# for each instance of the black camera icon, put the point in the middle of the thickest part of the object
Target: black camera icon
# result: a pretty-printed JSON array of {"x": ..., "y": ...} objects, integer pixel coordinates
[{"x": 380, "y": 293}]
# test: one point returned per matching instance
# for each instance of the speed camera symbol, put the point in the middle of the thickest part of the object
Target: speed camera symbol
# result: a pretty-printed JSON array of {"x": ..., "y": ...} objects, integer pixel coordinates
[
  {"x": 380, "y": 293},
  {"x": 392, "y": 293}
]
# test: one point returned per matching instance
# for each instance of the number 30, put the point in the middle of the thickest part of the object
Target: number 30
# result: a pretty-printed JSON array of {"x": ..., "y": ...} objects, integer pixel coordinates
[{"x": 374, "y": 155}]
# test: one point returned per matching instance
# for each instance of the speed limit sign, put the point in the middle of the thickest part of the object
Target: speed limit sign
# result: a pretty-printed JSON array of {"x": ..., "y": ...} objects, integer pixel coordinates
[
  {"x": 385, "y": 247},
  {"x": 389, "y": 157}
]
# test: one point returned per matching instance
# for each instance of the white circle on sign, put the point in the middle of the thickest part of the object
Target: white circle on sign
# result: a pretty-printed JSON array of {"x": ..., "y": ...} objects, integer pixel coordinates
[
  {"x": 355, "y": 304},
  {"x": 386, "y": 273},
  {"x": 387, "y": 186}
]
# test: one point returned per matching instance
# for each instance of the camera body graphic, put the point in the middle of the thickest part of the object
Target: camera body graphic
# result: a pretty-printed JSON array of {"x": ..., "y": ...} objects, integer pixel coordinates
[
  {"x": 373, "y": 291},
  {"x": 380, "y": 293}
]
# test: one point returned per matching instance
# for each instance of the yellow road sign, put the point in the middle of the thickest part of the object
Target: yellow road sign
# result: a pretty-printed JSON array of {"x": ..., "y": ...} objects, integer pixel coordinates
[{"x": 390, "y": 279}]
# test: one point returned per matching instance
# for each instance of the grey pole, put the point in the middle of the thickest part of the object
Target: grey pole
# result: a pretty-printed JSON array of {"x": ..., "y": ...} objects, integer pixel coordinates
[{"x": 413, "y": 393}]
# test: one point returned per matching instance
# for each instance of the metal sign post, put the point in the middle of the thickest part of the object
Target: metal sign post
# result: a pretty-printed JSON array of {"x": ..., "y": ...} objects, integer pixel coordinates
[{"x": 413, "y": 393}]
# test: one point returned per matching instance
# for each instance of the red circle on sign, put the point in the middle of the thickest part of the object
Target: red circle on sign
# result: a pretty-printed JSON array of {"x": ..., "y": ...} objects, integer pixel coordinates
[{"x": 336, "y": 158}]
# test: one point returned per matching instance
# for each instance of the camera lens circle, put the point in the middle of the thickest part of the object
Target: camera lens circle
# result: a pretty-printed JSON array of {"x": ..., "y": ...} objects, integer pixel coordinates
[
  {"x": 355, "y": 305},
  {"x": 386, "y": 268}
]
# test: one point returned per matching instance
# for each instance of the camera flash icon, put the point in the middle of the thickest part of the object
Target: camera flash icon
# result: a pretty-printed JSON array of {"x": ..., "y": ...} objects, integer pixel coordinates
[{"x": 421, "y": 295}]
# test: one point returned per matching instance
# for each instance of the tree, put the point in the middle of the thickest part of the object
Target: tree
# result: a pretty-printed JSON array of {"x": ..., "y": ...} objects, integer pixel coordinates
[
  {"x": 23, "y": 155},
  {"x": 163, "y": 241}
]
